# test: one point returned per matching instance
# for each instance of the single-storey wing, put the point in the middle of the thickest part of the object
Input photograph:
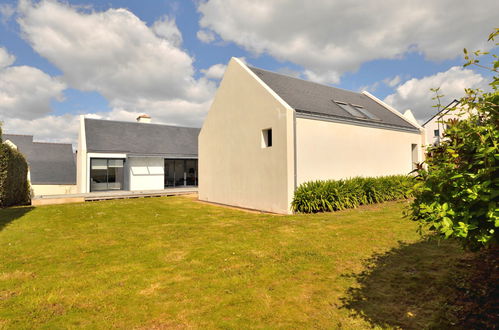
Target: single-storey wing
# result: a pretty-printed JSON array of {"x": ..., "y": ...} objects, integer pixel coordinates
[
  {"x": 52, "y": 168},
  {"x": 117, "y": 155}
]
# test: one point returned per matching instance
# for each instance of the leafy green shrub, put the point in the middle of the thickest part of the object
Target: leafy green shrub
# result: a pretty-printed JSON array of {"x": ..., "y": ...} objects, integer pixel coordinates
[
  {"x": 334, "y": 195},
  {"x": 457, "y": 191},
  {"x": 14, "y": 185}
]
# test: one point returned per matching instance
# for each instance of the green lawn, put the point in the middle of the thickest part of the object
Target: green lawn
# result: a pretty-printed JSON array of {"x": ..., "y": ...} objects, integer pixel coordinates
[{"x": 175, "y": 262}]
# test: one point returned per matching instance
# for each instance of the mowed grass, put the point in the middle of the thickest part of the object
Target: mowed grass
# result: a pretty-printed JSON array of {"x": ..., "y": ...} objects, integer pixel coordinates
[{"x": 177, "y": 263}]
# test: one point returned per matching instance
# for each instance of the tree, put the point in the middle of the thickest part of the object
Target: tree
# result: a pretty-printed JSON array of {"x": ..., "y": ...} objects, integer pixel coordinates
[
  {"x": 14, "y": 185},
  {"x": 457, "y": 188}
]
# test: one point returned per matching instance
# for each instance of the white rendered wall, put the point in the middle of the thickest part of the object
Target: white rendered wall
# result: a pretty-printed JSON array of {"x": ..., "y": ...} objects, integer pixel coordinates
[
  {"x": 328, "y": 150},
  {"x": 234, "y": 169},
  {"x": 146, "y": 173},
  {"x": 81, "y": 159},
  {"x": 434, "y": 124},
  {"x": 54, "y": 189}
]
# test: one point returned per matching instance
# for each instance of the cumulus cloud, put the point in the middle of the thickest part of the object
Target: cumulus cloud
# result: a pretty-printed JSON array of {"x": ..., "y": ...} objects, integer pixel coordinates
[
  {"x": 50, "y": 128},
  {"x": 205, "y": 36},
  {"x": 137, "y": 68},
  {"x": 6, "y": 59},
  {"x": 25, "y": 91},
  {"x": 415, "y": 93},
  {"x": 329, "y": 38},
  {"x": 167, "y": 29},
  {"x": 6, "y": 12},
  {"x": 392, "y": 82},
  {"x": 116, "y": 54},
  {"x": 215, "y": 71},
  {"x": 26, "y": 94}
]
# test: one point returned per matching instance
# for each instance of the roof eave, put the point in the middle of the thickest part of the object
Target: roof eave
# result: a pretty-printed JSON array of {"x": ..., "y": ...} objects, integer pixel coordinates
[{"x": 353, "y": 121}]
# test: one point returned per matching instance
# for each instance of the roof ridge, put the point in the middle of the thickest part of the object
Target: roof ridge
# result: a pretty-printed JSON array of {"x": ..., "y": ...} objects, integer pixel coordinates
[
  {"x": 17, "y": 134},
  {"x": 133, "y": 122},
  {"x": 60, "y": 143},
  {"x": 305, "y": 80}
]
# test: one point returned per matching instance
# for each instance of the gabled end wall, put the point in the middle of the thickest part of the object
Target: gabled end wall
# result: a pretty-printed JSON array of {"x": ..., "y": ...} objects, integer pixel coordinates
[{"x": 234, "y": 168}]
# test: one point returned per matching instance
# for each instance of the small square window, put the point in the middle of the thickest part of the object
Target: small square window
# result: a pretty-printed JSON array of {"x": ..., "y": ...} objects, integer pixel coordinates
[
  {"x": 267, "y": 138},
  {"x": 436, "y": 132}
]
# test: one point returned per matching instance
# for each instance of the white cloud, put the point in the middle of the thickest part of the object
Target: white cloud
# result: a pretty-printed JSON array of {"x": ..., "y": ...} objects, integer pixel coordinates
[
  {"x": 392, "y": 82},
  {"x": 415, "y": 93},
  {"x": 49, "y": 128},
  {"x": 329, "y": 38},
  {"x": 370, "y": 88},
  {"x": 215, "y": 71},
  {"x": 6, "y": 59},
  {"x": 26, "y": 92},
  {"x": 118, "y": 55},
  {"x": 167, "y": 28},
  {"x": 325, "y": 77},
  {"x": 205, "y": 36},
  {"x": 6, "y": 12},
  {"x": 138, "y": 69}
]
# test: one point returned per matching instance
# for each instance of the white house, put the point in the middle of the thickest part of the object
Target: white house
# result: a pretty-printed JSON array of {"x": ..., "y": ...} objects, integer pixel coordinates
[
  {"x": 51, "y": 166},
  {"x": 267, "y": 133},
  {"x": 116, "y": 155},
  {"x": 434, "y": 126}
]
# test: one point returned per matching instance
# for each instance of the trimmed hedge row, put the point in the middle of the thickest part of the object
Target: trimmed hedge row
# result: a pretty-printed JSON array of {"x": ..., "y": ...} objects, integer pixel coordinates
[
  {"x": 335, "y": 195},
  {"x": 14, "y": 185}
]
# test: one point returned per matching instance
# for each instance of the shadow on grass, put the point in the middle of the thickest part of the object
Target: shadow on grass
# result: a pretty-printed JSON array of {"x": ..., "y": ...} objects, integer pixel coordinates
[
  {"x": 428, "y": 284},
  {"x": 10, "y": 214}
]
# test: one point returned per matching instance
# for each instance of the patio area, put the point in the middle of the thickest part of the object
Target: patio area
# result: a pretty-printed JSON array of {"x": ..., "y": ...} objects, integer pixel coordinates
[{"x": 107, "y": 195}]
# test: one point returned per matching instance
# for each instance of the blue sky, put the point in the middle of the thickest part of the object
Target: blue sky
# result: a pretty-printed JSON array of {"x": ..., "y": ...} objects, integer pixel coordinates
[{"x": 396, "y": 58}]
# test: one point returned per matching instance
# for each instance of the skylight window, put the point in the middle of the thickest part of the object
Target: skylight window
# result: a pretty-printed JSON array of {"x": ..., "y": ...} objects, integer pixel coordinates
[
  {"x": 357, "y": 111},
  {"x": 366, "y": 113},
  {"x": 351, "y": 110}
]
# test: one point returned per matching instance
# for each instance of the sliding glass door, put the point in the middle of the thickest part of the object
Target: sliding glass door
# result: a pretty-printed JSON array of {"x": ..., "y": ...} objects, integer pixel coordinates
[
  {"x": 181, "y": 172},
  {"x": 191, "y": 172},
  {"x": 106, "y": 174}
]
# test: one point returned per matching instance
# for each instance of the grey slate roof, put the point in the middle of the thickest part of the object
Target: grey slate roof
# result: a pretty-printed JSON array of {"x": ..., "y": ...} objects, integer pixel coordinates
[
  {"x": 49, "y": 163},
  {"x": 307, "y": 97},
  {"x": 141, "y": 138}
]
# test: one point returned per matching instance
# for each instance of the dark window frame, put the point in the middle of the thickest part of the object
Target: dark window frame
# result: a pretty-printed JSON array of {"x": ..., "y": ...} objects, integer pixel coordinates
[
  {"x": 107, "y": 172},
  {"x": 184, "y": 165}
]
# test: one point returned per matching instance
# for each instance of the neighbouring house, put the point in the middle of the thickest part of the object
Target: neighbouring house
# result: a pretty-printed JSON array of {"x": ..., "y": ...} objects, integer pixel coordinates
[
  {"x": 52, "y": 169},
  {"x": 267, "y": 133},
  {"x": 116, "y": 155},
  {"x": 434, "y": 126}
]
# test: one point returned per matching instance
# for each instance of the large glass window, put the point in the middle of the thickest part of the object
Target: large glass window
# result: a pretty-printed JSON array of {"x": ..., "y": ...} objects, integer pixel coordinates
[
  {"x": 191, "y": 169},
  {"x": 106, "y": 174},
  {"x": 181, "y": 172}
]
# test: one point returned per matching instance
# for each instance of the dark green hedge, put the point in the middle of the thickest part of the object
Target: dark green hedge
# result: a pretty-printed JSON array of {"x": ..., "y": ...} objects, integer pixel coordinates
[
  {"x": 14, "y": 185},
  {"x": 334, "y": 195}
]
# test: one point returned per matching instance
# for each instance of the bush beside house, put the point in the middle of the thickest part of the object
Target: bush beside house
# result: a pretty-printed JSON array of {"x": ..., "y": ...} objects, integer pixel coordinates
[
  {"x": 457, "y": 192},
  {"x": 14, "y": 185},
  {"x": 334, "y": 195}
]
